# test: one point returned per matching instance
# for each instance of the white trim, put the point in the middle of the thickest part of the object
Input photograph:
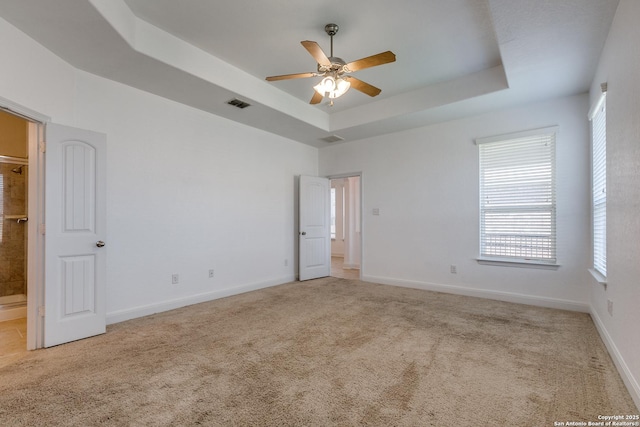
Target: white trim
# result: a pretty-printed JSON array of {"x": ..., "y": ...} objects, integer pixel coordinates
[
  {"x": 599, "y": 277},
  {"x": 557, "y": 303},
  {"x": 13, "y": 299},
  {"x": 533, "y": 132},
  {"x": 146, "y": 310},
  {"x": 24, "y": 112},
  {"x": 595, "y": 107},
  {"x": 623, "y": 369},
  {"x": 344, "y": 175},
  {"x": 518, "y": 263},
  {"x": 12, "y": 313},
  {"x": 35, "y": 244}
]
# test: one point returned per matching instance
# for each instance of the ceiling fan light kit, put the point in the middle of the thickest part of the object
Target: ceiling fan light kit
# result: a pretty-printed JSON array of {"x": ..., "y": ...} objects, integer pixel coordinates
[
  {"x": 335, "y": 72},
  {"x": 332, "y": 87}
]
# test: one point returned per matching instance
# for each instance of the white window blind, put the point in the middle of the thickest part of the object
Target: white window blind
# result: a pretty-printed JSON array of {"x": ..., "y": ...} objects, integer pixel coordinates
[
  {"x": 599, "y": 186},
  {"x": 517, "y": 197}
]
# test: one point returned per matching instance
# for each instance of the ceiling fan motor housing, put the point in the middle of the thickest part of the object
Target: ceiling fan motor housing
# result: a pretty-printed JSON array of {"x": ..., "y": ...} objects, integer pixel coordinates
[
  {"x": 337, "y": 65},
  {"x": 331, "y": 29}
]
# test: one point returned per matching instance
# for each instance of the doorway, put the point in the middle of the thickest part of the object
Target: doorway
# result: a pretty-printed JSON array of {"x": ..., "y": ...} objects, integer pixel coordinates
[
  {"x": 346, "y": 226},
  {"x": 21, "y": 193},
  {"x": 14, "y": 178},
  {"x": 74, "y": 307}
]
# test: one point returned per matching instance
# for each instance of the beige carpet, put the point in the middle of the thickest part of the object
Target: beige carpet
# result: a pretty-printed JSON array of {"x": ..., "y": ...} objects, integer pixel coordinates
[{"x": 324, "y": 352}]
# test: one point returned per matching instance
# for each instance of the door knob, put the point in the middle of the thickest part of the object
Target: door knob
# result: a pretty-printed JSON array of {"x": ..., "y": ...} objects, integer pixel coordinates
[
  {"x": 100, "y": 243},
  {"x": 304, "y": 233}
]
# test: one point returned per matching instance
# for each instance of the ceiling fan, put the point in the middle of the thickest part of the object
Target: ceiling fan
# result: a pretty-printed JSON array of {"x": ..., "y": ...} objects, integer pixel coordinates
[{"x": 335, "y": 72}]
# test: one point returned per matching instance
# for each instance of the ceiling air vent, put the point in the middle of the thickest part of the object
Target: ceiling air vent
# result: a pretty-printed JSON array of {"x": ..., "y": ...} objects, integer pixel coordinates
[
  {"x": 237, "y": 103},
  {"x": 332, "y": 138}
]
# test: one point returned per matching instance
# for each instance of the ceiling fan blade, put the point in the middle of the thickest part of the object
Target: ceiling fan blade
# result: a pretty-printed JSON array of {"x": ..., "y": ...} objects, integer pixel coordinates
[
  {"x": 363, "y": 87},
  {"x": 291, "y": 76},
  {"x": 371, "y": 61},
  {"x": 316, "y": 51},
  {"x": 316, "y": 99}
]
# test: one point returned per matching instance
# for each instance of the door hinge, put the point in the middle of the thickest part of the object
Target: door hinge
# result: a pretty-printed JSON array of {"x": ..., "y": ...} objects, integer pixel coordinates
[
  {"x": 41, "y": 311},
  {"x": 42, "y": 229},
  {"x": 43, "y": 146}
]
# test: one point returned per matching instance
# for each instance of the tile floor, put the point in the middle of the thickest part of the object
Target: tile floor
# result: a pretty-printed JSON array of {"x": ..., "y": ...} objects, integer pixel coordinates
[
  {"x": 13, "y": 340},
  {"x": 338, "y": 271}
]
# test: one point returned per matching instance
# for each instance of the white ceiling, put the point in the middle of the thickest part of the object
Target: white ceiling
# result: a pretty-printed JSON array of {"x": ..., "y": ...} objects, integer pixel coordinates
[{"x": 454, "y": 57}]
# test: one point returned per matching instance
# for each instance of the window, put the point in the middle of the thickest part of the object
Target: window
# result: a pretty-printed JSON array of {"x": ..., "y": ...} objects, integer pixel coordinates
[
  {"x": 517, "y": 197},
  {"x": 598, "y": 117}
]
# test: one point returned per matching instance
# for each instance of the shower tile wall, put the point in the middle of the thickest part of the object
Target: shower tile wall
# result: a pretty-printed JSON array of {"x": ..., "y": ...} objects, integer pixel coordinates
[{"x": 13, "y": 238}]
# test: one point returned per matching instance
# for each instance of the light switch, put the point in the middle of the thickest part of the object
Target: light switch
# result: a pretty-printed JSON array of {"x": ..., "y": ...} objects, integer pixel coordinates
[{"x": 376, "y": 211}]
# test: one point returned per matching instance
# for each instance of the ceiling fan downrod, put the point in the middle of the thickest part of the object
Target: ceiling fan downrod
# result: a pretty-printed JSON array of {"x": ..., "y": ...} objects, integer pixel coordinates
[{"x": 331, "y": 29}]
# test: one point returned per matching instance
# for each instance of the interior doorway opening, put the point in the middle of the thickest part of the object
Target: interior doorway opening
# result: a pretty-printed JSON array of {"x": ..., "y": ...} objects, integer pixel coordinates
[
  {"x": 21, "y": 216},
  {"x": 346, "y": 226}
]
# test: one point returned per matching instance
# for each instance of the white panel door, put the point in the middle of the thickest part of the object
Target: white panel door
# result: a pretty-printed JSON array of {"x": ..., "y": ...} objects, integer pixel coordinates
[
  {"x": 315, "y": 230},
  {"x": 75, "y": 256}
]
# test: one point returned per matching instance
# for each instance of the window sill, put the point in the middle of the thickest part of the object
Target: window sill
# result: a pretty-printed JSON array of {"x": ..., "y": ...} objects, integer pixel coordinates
[
  {"x": 599, "y": 277},
  {"x": 519, "y": 264}
]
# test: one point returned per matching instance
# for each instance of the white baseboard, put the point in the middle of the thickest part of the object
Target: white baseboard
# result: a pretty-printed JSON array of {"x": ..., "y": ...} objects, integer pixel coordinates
[
  {"x": 484, "y": 293},
  {"x": 12, "y": 313},
  {"x": 146, "y": 310},
  {"x": 13, "y": 299},
  {"x": 618, "y": 360}
]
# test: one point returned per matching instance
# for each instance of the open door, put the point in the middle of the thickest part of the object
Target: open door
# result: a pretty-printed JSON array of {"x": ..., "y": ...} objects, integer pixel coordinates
[
  {"x": 314, "y": 233},
  {"x": 75, "y": 259}
]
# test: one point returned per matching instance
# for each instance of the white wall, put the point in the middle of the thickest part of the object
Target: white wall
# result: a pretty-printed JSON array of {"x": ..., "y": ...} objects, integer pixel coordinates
[
  {"x": 619, "y": 66},
  {"x": 34, "y": 77},
  {"x": 187, "y": 191},
  {"x": 425, "y": 184}
]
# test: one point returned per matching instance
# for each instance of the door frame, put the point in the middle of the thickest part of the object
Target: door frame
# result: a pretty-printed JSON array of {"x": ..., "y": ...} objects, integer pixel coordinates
[
  {"x": 362, "y": 223},
  {"x": 35, "y": 225}
]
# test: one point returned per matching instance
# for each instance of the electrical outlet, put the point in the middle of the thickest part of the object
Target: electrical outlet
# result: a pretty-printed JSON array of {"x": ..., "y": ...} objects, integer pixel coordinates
[
  {"x": 454, "y": 269},
  {"x": 211, "y": 273},
  {"x": 175, "y": 278},
  {"x": 610, "y": 307}
]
